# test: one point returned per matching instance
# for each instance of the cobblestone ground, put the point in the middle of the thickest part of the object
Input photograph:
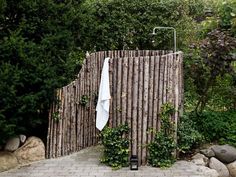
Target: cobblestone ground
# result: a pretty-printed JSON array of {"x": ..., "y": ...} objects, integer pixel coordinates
[{"x": 86, "y": 164}]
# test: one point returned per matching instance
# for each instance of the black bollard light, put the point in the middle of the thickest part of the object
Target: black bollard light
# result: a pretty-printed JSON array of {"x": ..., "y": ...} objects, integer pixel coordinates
[{"x": 133, "y": 162}]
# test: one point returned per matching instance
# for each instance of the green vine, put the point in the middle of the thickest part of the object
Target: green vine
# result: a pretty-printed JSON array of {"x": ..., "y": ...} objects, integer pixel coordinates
[
  {"x": 56, "y": 116},
  {"x": 116, "y": 146},
  {"x": 162, "y": 147},
  {"x": 84, "y": 100},
  {"x": 167, "y": 126}
]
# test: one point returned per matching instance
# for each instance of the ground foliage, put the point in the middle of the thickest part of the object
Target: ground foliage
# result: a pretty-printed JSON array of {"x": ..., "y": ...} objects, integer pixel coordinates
[
  {"x": 189, "y": 137},
  {"x": 215, "y": 125}
]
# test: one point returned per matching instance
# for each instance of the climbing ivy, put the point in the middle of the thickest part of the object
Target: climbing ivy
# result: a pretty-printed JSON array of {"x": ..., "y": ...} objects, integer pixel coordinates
[
  {"x": 162, "y": 147},
  {"x": 84, "y": 100},
  {"x": 116, "y": 146},
  {"x": 56, "y": 116}
]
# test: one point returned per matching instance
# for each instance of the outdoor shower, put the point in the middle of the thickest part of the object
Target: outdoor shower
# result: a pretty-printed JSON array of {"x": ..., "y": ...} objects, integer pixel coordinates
[{"x": 167, "y": 28}]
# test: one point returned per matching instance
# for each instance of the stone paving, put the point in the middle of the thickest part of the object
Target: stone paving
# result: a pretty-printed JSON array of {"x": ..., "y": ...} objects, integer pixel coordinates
[{"x": 86, "y": 164}]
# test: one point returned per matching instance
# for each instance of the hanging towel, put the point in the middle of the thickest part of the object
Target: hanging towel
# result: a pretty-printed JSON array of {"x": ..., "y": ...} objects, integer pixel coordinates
[{"x": 104, "y": 97}]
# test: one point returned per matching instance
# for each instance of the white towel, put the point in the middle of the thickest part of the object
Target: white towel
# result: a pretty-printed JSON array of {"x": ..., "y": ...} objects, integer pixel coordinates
[{"x": 103, "y": 97}]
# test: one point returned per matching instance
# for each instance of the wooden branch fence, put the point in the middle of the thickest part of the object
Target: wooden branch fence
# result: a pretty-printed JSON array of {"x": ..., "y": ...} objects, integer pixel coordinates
[{"x": 140, "y": 82}]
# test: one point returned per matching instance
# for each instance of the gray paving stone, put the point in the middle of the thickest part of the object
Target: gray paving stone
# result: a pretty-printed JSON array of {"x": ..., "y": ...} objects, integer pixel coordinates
[{"x": 86, "y": 164}]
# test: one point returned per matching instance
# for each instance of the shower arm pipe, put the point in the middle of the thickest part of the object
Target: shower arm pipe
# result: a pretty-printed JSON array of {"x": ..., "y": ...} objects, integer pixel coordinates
[{"x": 168, "y": 28}]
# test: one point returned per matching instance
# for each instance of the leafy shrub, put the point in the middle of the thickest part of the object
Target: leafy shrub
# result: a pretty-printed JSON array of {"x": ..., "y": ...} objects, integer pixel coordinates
[
  {"x": 116, "y": 146},
  {"x": 188, "y": 136},
  {"x": 215, "y": 125},
  {"x": 160, "y": 150},
  {"x": 118, "y": 24},
  {"x": 7, "y": 129},
  {"x": 227, "y": 14},
  {"x": 215, "y": 61},
  {"x": 230, "y": 136},
  {"x": 162, "y": 147},
  {"x": 38, "y": 54}
]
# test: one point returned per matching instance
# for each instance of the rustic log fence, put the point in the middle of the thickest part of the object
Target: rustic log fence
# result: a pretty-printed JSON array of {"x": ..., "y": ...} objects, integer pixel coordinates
[{"x": 140, "y": 82}]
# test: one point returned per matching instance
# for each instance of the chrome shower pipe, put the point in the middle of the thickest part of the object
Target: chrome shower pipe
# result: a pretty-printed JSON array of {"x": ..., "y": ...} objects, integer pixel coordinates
[{"x": 168, "y": 28}]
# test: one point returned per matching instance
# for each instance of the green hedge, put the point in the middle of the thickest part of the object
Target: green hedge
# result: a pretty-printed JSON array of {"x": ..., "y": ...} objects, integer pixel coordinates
[
  {"x": 216, "y": 126},
  {"x": 118, "y": 24},
  {"x": 37, "y": 55}
]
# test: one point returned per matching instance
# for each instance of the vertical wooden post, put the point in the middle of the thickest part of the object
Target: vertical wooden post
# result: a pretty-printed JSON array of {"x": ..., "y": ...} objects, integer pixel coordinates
[
  {"x": 140, "y": 107},
  {"x": 124, "y": 89},
  {"x": 114, "y": 91},
  {"x": 145, "y": 107},
  {"x": 156, "y": 93},
  {"x": 134, "y": 106},
  {"x": 118, "y": 93},
  {"x": 129, "y": 101},
  {"x": 151, "y": 116}
]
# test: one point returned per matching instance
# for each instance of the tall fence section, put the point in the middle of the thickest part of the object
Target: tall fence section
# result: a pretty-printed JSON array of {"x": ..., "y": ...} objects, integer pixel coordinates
[{"x": 140, "y": 82}]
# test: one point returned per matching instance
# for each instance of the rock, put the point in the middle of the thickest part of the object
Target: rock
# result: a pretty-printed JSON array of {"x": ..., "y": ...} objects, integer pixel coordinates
[
  {"x": 22, "y": 139},
  {"x": 199, "y": 162},
  {"x": 224, "y": 153},
  {"x": 219, "y": 167},
  {"x": 32, "y": 150},
  {"x": 207, "y": 171},
  {"x": 232, "y": 169},
  {"x": 7, "y": 161},
  {"x": 208, "y": 152},
  {"x": 200, "y": 159},
  {"x": 193, "y": 169},
  {"x": 12, "y": 144}
]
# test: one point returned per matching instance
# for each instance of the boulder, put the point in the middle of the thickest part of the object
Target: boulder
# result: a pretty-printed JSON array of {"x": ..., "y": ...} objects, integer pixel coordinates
[
  {"x": 32, "y": 150},
  {"x": 219, "y": 167},
  {"x": 208, "y": 152},
  {"x": 232, "y": 169},
  {"x": 224, "y": 153},
  {"x": 208, "y": 171},
  {"x": 7, "y": 161},
  {"x": 200, "y": 159},
  {"x": 12, "y": 144},
  {"x": 22, "y": 139}
]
